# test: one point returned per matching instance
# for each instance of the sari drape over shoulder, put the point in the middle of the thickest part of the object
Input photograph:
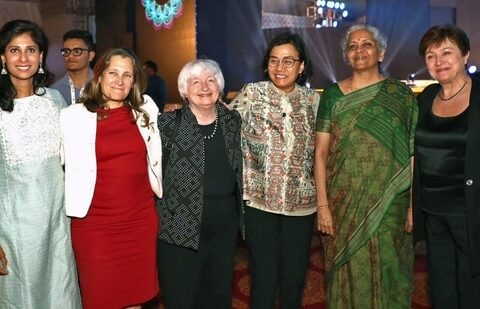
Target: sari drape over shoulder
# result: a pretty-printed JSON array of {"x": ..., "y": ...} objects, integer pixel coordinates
[{"x": 369, "y": 260}]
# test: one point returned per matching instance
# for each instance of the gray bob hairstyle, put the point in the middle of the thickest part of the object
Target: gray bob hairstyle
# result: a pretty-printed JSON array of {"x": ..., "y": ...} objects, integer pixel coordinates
[
  {"x": 378, "y": 37},
  {"x": 195, "y": 68}
]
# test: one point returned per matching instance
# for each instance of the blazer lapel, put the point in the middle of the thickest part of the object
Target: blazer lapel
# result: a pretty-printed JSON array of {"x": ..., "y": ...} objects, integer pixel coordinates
[{"x": 228, "y": 129}]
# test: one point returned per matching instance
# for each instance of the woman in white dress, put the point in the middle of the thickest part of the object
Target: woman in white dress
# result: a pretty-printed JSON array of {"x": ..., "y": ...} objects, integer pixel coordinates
[{"x": 37, "y": 268}]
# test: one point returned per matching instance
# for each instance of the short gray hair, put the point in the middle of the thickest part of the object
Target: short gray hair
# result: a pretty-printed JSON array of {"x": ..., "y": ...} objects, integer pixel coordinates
[
  {"x": 378, "y": 37},
  {"x": 195, "y": 68}
]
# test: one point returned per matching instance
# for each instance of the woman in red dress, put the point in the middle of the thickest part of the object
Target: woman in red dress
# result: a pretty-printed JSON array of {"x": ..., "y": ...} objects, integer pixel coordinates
[{"x": 112, "y": 170}]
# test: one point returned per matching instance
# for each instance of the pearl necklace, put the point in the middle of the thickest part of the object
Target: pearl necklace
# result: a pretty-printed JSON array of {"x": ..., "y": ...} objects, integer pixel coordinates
[
  {"x": 207, "y": 137},
  {"x": 454, "y": 95}
]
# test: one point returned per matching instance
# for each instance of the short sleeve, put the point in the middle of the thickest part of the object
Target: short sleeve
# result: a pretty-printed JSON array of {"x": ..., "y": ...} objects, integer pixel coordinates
[
  {"x": 324, "y": 112},
  {"x": 241, "y": 101}
]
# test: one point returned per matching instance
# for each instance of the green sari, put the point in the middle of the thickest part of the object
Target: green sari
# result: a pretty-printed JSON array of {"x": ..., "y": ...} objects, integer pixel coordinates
[{"x": 369, "y": 261}]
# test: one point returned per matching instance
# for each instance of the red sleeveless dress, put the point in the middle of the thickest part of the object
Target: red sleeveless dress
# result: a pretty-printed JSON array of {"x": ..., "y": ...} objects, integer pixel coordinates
[{"x": 115, "y": 244}]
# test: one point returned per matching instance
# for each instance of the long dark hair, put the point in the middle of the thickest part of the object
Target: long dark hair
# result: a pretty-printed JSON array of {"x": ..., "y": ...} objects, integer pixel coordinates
[
  {"x": 9, "y": 31},
  {"x": 93, "y": 98},
  {"x": 297, "y": 42}
]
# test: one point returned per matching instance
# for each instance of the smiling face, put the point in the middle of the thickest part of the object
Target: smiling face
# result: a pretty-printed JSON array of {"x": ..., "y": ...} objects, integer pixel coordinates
[
  {"x": 284, "y": 78},
  {"x": 22, "y": 58},
  {"x": 362, "y": 51},
  {"x": 445, "y": 61},
  {"x": 202, "y": 90},
  {"x": 117, "y": 80}
]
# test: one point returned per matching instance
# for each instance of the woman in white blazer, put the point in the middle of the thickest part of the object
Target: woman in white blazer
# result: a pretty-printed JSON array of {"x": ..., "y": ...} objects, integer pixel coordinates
[{"x": 112, "y": 153}]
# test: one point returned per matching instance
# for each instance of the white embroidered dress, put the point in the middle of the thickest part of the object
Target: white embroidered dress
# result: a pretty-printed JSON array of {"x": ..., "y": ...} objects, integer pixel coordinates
[{"x": 34, "y": 230}]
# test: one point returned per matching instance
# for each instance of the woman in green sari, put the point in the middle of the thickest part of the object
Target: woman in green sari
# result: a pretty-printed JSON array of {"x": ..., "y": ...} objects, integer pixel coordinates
[{"x": 364, "y": 146}]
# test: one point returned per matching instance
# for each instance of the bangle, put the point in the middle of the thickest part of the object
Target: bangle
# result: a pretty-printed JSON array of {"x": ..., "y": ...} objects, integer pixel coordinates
[{"x": 322, "y": 206}]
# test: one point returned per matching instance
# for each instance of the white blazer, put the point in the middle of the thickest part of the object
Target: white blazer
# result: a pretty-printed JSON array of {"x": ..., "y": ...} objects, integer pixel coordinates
[{"x": 79, "y": 128}]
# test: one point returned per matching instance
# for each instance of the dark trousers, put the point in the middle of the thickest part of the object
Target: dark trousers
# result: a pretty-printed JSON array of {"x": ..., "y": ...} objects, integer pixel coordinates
[
  {"x": 192, "y": 279},
  {"x": 451, "y": 283},
  {"x": 279, "y": 253}
]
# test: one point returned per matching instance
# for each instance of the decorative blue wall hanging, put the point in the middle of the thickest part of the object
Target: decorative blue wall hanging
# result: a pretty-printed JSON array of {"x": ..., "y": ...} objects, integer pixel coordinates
[{"x": 162, "y": 15}]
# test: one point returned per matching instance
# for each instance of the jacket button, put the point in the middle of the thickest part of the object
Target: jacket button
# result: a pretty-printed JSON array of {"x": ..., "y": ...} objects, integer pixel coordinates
[
  {"x": 469, "y": 182},
  {"x": 155, "y": 163},
  {"x": 148, "y": 138}
]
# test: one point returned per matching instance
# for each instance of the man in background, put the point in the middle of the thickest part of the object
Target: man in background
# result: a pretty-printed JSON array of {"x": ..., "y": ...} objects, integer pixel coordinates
[
  {"x": 156, "y": 87},
  {"x": 78, "y": 52}
]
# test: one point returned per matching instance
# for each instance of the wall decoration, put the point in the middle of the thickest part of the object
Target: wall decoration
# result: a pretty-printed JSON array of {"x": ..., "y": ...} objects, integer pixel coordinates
[{"x": 162, "y": 15}]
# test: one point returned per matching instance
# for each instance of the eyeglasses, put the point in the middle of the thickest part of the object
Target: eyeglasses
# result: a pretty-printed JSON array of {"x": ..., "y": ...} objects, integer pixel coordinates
[
  {"x": 77, "y": 51},
  {"x": 287, "y": 62}
]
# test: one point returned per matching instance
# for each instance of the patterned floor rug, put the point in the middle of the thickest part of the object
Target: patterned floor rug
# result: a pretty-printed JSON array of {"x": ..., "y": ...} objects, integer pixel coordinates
[{"x": 314, "y": 293}]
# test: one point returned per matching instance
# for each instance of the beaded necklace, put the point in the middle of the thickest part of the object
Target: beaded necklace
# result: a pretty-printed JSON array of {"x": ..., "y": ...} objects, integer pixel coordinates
[{"x": 214, "y": 128}]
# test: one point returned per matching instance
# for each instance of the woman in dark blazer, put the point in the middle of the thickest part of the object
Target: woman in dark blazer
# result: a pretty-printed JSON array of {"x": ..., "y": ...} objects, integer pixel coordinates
[
  {"x": 447, "y": 170},
  {"x": 201, "y": 207}
]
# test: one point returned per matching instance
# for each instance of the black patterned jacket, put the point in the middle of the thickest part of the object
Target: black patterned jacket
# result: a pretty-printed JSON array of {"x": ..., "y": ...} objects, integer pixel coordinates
[{"x": 181, "y": 207}]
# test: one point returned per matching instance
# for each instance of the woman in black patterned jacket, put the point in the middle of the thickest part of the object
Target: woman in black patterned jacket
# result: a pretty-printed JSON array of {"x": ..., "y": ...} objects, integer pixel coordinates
[{"x": 201, "y": 208}]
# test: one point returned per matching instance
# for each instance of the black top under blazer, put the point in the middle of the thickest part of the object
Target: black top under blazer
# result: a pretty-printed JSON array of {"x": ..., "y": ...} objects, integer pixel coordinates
[
  {"x": 181, "y": 207},
  {"x": 472, "y": 172}
]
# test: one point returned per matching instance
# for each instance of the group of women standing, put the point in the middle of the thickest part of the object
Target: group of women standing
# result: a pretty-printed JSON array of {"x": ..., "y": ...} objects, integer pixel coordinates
[
  {"x": 374, "y": 146},
  {"x": 111, "y": 150},
  {"x": 264, "y": 167}
]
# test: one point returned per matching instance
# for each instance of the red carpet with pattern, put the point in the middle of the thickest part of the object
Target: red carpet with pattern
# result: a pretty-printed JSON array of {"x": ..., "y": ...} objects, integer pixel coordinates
[{"x": 314, "y": 294}]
